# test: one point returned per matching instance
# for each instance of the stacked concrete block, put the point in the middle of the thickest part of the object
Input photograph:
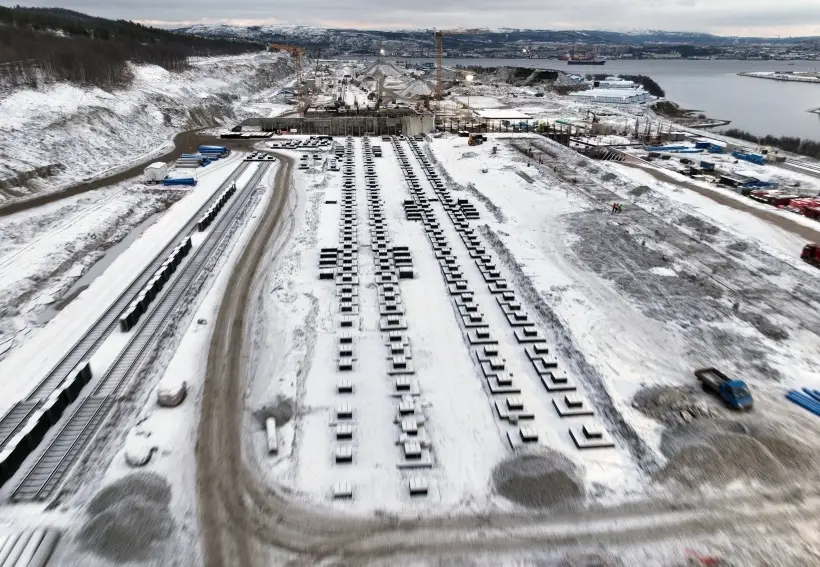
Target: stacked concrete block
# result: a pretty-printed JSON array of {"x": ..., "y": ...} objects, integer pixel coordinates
[{"x": 532, "y": 339}]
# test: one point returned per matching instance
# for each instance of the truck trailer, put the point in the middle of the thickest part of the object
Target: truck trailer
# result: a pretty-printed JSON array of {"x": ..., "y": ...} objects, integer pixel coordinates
[
  {"x": 811, "y": 254},
  {"x": 156, "y": 172}
]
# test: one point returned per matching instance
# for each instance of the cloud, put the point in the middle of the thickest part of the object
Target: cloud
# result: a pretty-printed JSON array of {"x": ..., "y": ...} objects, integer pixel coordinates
[{"x": 749, "y": 17}]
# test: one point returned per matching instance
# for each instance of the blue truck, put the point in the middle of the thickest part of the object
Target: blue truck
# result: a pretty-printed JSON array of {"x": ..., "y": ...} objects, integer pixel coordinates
[{"x": 734, "y": 393}]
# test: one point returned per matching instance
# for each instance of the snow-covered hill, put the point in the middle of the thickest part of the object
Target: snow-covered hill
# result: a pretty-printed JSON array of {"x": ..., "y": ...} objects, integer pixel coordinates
[{"x": 65, "y": 133}]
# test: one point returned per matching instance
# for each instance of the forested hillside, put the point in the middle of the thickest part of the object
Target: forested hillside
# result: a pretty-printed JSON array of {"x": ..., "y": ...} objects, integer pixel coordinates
[{"x": 42, "y": 45}]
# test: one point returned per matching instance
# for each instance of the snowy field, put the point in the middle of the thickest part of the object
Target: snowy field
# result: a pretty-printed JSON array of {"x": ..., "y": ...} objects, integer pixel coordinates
[
  {"x": 70, "y": 243},
  {"x": 630, "y": 317},
  {"x": 629, "y": 305},
  {"x": 674, "y": 283},
  {"x": 84, "y": 133}
]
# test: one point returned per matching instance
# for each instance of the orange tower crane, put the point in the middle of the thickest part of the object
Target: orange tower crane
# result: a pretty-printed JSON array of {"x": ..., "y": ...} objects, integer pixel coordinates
[
  {"x": 296, "y": 52},
  {"x": 440, "y": 52}
]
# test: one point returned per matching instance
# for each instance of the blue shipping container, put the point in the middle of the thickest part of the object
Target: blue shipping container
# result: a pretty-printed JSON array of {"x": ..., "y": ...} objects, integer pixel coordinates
[{"x": 179, "y": 181}]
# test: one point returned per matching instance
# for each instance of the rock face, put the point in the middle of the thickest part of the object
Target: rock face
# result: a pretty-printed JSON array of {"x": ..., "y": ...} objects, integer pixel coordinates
[{"x": 171, "y": 395}]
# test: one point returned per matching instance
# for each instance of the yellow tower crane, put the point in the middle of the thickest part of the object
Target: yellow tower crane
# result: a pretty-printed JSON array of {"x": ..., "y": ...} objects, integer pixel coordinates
[
  {"x": 297, "y": 53},
  {"x": 440, "y": 52}
]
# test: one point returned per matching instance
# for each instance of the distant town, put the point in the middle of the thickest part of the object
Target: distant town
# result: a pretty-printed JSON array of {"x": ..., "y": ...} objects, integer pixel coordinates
[{"x": 516, "y": 44}]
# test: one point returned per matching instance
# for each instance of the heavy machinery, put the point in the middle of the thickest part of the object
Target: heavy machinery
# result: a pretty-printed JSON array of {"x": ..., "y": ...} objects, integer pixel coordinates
[
  {"x": 476, "y": 139},
  {"x": 811, "y": 254},
  {"x": 440, "y": 52},
  {"x": 734, "y": 393}
]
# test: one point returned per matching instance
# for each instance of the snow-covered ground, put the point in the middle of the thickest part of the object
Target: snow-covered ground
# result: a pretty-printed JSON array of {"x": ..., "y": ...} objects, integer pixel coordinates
[
  {"x": 634, "y": 292},
  {"x": 169, "y": 434},
  {"x": 71, "y": 245},
  {"x": 85, "y": 132}
]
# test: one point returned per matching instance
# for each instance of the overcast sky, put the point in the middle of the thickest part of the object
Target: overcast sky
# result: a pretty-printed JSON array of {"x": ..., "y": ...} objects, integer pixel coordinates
[{"x": 725, "y": 17}]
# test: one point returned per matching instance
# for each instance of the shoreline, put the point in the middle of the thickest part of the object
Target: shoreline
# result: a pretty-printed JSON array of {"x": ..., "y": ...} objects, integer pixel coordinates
[{"x": 784, "y": 76}]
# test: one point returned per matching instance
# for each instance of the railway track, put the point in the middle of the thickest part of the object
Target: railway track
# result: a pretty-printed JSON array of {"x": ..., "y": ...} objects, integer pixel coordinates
[
  {"x": 45, "y": 475},
  {"x": 88, "y": 344}
]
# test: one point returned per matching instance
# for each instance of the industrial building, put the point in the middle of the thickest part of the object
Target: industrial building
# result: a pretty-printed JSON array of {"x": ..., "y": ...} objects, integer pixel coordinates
[
  {"x": 612, "y": 96},
  {"x": 617, "y": 83}
]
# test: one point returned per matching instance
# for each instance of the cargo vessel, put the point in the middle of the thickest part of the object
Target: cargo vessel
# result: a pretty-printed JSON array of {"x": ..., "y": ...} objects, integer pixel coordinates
[{"x": 586, "y": 61}]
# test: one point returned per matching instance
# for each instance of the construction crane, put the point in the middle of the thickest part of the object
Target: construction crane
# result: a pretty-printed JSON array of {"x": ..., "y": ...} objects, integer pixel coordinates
[
  {"x": 440, "y": 52},
  {"x": 297, "y": 53}
]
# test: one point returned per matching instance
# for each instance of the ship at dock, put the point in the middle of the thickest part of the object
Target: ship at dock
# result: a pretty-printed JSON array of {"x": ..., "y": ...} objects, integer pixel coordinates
[{"x": 582, "y": 59}]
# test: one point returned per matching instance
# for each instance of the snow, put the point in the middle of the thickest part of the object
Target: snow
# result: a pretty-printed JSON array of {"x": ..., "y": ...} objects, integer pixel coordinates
[
  {"x": 781, "y": 242},
  {"x": 502, "y": 114},
  {"x": 479, "y": 101},
  {"x": 43, "y": 348},
  {"x": 85, "y": 132},
  {"x": 170, "y": 433}
]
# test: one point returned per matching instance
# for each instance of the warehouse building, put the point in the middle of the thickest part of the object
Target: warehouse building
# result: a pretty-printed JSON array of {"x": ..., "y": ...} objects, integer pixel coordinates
[{"x": 612, "y": 96}]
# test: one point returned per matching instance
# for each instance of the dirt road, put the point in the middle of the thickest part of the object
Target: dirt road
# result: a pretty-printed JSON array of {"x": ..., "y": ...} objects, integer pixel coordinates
[
  {"x": 184, "y": 142},
  {"x": 241, "y": 517},
  {"x": 805, "y": 232}
]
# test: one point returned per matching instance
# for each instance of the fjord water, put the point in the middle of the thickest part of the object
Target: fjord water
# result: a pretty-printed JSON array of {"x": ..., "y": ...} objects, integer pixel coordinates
[{"x": 713, "y": 86}]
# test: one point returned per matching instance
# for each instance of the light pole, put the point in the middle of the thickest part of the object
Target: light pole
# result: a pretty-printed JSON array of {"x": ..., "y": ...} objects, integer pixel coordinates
[{"x": 469, "y": 79}]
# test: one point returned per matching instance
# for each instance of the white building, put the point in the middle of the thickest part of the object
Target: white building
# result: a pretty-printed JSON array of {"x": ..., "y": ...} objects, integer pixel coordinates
[
  {"x": 156, "y": 172},
  {"x": 617, "y": 83},
  {"x": 612, "y": 96}
]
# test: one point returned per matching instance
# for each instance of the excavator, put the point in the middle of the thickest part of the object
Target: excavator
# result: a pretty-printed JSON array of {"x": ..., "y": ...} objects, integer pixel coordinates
[{"x": 811, "y": 254}]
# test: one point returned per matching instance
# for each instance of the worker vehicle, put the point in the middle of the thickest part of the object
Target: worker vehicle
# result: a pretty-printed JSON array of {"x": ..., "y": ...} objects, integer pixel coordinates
[
  {"x": 476, "y": 139},
  {"x": 811, "y": 254},
  {"x": 734, "y": 393}
]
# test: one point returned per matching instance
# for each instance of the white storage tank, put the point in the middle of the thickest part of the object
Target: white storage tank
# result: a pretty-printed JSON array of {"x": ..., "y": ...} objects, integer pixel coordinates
[{"x": 156, "y": 172}]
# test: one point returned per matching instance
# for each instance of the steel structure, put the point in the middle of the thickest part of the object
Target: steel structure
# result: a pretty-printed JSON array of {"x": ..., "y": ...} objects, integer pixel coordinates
[{"x": 440, "y": 52}]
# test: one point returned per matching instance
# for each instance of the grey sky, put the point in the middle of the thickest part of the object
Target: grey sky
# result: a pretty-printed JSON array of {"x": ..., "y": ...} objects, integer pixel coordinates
[{"x": 727, "y": 17}]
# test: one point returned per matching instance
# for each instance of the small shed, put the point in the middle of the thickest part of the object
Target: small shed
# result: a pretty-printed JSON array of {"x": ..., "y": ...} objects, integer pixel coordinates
[{"x": 156, "y": 172}]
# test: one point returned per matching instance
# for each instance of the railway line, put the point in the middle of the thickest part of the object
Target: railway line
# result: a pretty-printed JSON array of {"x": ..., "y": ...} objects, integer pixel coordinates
[{"x": 44, "y": 475}]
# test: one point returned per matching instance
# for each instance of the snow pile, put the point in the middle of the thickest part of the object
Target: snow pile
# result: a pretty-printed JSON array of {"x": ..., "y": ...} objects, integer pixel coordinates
[
  {"x": 138, "y": 451},
  {"x": 81, "y": 132},
  {"x": 171, "y": 393}
]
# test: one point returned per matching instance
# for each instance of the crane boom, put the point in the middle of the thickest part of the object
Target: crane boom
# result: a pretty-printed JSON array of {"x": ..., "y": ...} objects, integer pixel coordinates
[
  {"x": 297, "y": 53},
  {"x": 440, "y": 52}
]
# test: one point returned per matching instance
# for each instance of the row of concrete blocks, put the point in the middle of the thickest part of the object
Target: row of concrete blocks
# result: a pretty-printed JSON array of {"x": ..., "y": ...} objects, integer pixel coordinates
[
  {"x": 209, "y": 216},
  {"x": 131, "y": 315},
  {"x": 501, "y": 382},
  {"x": 391, "y": 308},
  {"x": 399, "y": 354},
  {"x": 412, "y": 438},
  {"x": 492, "y": 365}
]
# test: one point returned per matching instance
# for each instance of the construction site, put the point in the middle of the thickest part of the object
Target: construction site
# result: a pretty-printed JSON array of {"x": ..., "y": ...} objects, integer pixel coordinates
[{"x": 420, "y": 316}]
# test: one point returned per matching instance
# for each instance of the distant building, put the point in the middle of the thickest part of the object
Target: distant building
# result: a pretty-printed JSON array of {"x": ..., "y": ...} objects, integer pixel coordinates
[
  {"x": 617, "y": 83},
  {"x": 612, "y": 96}
]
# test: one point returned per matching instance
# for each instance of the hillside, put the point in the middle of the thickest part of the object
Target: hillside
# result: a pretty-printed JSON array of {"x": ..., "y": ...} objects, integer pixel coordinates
[
  {"x": 42, "y": 45},
  {"x": 63, "y": 133}
]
